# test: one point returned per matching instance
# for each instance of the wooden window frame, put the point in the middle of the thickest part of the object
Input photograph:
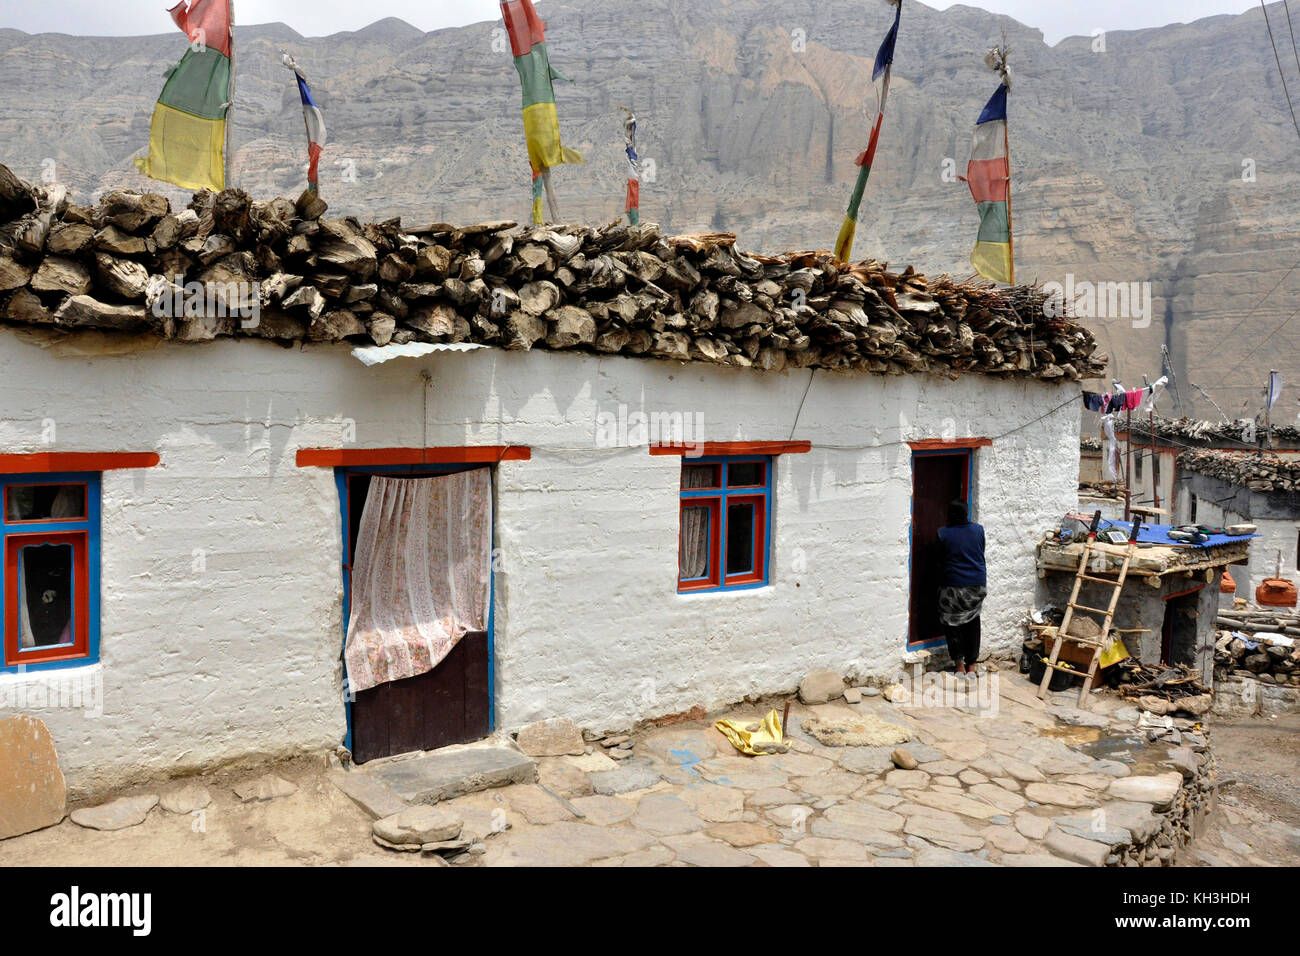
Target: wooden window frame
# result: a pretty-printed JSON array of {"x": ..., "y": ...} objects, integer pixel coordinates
[
  {"x": 83, "y": 535},
  {"x": 717, "y": 500}
]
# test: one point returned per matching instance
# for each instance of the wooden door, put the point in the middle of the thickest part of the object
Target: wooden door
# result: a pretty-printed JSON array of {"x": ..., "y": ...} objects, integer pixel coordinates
[
  {"x": 450, "y": 704},
  {"x": 937, "y": 479}
]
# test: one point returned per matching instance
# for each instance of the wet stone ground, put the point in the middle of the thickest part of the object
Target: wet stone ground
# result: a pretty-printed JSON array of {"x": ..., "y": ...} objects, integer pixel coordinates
[{"x": 1018, "y": 782}]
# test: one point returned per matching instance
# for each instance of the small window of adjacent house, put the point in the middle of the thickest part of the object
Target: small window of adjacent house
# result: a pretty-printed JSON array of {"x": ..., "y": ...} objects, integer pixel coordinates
[
  {"x": 49, "y": 602},
  {"x": 725, "y": 517},
  {"x": 1137, "y": 459},
  {"x": 1192, "y": 516}
]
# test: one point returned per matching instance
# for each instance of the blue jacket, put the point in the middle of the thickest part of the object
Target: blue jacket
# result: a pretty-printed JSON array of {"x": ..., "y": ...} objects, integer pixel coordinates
[{"x": 962, "y": 546}]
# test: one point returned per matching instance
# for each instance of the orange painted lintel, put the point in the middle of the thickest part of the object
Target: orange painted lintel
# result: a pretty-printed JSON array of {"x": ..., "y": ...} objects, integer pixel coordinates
[
  {"x": 945, "y": 444},
  {"x": 734, "y": 448},
  {"x": 449, "y": 455},
  {"x": 56, "y": 461}
]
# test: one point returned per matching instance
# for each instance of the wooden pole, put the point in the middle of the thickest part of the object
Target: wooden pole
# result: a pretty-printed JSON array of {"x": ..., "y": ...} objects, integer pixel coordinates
[
  {"x": 225, "y": 152},
  {"x": 551, "y": 203},
  {"x": 1128, "y": 466},
  {"x": 1011, "y": 234}
]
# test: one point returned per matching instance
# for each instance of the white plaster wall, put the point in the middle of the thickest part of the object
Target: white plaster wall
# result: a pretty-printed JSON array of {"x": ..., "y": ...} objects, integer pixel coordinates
[
  {"x": 221, "y": 619},
  {"x": 1274, "y": 536}
]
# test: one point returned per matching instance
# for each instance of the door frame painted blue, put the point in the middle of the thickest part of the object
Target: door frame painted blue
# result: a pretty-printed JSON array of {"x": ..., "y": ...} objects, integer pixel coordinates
[
  {"x": 341, "y": 475},
  {"x": 911, "y": 506}
]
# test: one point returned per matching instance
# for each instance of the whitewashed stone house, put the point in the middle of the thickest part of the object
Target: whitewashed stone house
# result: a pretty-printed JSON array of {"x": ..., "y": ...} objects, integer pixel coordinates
[{"x": 183, "y": 497}]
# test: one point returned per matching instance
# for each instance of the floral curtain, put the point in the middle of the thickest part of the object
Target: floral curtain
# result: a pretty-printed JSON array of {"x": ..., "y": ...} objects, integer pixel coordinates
[
  {"x": 420, "y": 576},
  {"x": 694, "y": 558}
]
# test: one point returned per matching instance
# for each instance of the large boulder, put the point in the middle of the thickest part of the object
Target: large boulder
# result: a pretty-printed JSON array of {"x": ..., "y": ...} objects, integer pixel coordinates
[{"x": 33, "y": 794}]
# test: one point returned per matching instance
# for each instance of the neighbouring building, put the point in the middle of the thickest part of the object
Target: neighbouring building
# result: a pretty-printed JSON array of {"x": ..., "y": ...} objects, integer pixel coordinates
[
  {"x": 701, "y": 474},
  {"x": 1228, "y": 488},
  {"x": 1167, "y": 610},
  {"x": 1155, "y": 476}
]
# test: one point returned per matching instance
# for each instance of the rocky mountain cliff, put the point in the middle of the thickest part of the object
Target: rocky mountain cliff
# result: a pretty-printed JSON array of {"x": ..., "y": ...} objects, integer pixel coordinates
[{"x": 1130, "y": 164}]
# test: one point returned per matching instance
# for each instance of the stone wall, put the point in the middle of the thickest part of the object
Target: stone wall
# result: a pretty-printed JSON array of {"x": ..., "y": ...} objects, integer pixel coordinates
[{"x": 1157, "y": 842}]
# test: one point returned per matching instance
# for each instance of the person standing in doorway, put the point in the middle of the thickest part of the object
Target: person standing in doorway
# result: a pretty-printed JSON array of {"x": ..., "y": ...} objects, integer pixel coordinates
[{"x": 965, "y": 585}]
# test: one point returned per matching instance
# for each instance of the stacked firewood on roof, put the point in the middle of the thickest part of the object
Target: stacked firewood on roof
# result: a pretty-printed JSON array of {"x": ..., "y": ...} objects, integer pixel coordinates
[
  {"x": 1267, "y": 473},
  {"x": 1232, "y": 433},
  {"x": 613, "y": 289}
]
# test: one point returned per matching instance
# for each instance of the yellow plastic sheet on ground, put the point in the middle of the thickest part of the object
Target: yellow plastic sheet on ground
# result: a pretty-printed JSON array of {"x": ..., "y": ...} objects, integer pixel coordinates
[
  {"x": 1114, "y": 653},
  {"x": 755, "y": 738}
]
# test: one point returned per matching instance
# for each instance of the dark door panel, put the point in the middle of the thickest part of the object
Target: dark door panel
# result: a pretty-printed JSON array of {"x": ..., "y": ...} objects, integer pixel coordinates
[
  {"x": 936, "y": 481},
  {"x": 448, "y": 705}
]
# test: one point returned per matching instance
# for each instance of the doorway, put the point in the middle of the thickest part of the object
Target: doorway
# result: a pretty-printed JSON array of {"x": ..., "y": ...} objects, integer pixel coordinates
[
  {"x": 451, "y": 704},
  {"x": 1178, "y": 632},
  {"x": 938, "y": 477}
]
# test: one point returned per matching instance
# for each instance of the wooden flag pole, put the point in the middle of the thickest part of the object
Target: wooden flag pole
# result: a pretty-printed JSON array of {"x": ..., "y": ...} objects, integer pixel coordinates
[
  {"x": 551, "y": 203},
  {"x": 225, "y": 153},
  {"x": 1011, "y": 232},
  {"x": 1003, "y": 52}
]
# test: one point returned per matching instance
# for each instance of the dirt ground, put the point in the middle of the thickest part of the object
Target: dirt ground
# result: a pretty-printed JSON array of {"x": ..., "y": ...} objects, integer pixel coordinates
[{"x": 1258, "y": 818}]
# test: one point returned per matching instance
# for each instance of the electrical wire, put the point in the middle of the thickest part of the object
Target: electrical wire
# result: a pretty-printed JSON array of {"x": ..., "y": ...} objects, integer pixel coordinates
[
  {"x": 1291, "y": 30},
  {"x": 590, "y": 450},
  {"x": 1279, "y": 68}
]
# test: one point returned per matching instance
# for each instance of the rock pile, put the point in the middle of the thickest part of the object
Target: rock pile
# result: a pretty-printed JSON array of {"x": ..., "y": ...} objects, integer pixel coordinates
[
  {"x": 1267, "y": 473},
  {"x": 126, "y": 263},
  {"x": 1253, "y": 645}
]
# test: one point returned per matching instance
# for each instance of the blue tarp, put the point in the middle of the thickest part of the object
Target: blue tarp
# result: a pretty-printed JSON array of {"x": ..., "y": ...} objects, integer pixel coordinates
[{"x": 1159, "y": 534}]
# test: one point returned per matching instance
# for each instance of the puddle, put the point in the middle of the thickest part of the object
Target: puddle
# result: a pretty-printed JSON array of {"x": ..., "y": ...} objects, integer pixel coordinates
[
  {"x": 1074, "y": 736},
  {"x": 1142, "y": 756}
]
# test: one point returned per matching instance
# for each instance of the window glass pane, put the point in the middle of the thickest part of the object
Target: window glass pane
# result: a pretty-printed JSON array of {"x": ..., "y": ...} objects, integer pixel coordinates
[
  {"x": 746, "y": 474},
  {"x": 45, "y": 596},
  {"x": 700, "y": 476},
  {"x": 45, "y": 502},
  {"x": 694, "y": 558},
  {"x": 740, "y": 538}
]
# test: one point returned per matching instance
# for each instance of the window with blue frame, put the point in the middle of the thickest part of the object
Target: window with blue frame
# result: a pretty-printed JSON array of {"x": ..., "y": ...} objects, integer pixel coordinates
[
  {"x": 49, "y": 604},
  {"x": 726, "y": 511}
]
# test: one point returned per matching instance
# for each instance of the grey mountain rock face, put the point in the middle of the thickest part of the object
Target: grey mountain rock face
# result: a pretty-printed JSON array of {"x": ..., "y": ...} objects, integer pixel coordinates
[{"x": 1128, "y": 164}]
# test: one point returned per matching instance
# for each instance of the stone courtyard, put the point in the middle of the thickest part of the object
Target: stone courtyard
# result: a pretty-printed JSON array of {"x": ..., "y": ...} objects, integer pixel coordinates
[{"x": 1007, "y": 779}]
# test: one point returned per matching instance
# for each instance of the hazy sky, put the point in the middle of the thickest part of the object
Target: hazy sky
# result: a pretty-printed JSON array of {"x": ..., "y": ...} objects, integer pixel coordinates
[{"x": 1056, "y": 18}]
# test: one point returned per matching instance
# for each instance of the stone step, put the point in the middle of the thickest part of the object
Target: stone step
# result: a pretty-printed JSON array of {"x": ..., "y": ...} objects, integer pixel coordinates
[{"x": 453, "y": 772}]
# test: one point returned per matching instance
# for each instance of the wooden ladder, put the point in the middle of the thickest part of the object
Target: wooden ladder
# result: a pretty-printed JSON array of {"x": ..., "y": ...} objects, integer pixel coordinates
[{"x": 1108, "y": 614}]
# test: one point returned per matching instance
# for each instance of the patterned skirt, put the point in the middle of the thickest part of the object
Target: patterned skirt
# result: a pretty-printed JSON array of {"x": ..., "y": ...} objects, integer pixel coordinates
[{"x": 958, "y": 606}]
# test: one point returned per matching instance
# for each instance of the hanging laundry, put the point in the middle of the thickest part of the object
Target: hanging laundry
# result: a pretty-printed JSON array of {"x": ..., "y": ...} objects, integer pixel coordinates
[
  {"x": 1092, "y": 401},
  {"x": 1112, "y": 449},
  {"x": 1133, "y": 398}
]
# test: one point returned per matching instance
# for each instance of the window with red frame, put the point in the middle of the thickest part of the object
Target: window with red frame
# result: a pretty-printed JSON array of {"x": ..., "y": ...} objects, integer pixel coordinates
[
  {"x": 49, "y": 604},
  {"x": 725, "y": 517}
]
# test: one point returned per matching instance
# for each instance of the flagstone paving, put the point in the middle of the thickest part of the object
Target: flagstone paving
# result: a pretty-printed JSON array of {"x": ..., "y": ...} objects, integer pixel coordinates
[
  {"x": 1016, "y": 783},
  {"x": 1010, "y": 784}
]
